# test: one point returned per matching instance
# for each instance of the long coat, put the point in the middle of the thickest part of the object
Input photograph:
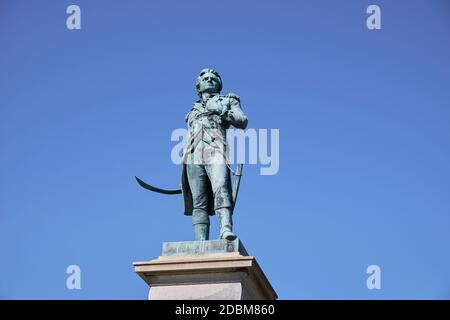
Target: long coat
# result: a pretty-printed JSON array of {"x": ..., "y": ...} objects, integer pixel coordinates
[{"x": 238, "y": 120}]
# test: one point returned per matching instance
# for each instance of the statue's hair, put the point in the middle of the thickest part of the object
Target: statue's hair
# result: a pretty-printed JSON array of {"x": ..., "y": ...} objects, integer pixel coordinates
[{"x": 208, "y": 70}]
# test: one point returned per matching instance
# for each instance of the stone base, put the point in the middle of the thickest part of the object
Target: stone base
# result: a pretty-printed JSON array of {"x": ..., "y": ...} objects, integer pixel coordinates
[{"x": 226, "y": 274}]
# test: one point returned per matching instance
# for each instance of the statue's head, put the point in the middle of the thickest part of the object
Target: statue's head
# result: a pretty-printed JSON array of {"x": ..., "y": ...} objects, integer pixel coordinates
[{"x": 208, "y": 81}]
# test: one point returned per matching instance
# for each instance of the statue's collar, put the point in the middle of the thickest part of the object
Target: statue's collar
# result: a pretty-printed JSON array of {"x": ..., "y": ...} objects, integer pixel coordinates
[{"x": 211, "y": 96}]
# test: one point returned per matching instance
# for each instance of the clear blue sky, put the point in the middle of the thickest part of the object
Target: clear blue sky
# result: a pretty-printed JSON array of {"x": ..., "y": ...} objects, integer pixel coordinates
[{"x": 364, "y": 119}]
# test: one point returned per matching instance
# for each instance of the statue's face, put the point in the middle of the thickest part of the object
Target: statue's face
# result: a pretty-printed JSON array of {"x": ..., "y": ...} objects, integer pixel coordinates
[{"x": 209, "y": 83}]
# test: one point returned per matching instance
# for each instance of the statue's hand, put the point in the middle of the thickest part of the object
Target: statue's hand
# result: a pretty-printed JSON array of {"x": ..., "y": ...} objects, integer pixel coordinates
[{"x": 218, "y": 107}]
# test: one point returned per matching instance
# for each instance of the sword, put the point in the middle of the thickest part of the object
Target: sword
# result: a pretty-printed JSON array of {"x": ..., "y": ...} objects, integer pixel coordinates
[
  {"x": 237, "y": 182},
  {"x": 155, "y": 189}
]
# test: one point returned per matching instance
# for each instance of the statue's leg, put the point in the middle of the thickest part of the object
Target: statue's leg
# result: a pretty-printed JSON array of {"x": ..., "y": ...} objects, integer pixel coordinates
[
  {"x": 219, "y": 176},
  {"x": 200, "y": 220},
  {"x": 198, "y": 183}
]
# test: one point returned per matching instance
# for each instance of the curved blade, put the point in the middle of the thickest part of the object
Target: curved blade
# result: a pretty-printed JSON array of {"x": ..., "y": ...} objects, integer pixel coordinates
[{"x": 154, "y": 189}]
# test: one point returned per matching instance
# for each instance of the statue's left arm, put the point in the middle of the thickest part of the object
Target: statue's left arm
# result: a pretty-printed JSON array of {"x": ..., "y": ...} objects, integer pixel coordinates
[{"x": 235, "y": 115}]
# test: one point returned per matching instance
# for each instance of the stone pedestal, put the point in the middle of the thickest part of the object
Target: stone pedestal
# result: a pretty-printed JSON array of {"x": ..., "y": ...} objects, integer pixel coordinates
[{"x": 205, "y": 270}]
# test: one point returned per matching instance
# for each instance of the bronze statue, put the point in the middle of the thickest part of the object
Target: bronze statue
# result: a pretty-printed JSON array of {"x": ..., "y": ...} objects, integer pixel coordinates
[{"x": 206, "y": 173}]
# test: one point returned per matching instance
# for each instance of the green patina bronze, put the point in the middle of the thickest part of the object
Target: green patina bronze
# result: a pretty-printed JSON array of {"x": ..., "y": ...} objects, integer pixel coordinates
[{"x": 206, "y": 175}]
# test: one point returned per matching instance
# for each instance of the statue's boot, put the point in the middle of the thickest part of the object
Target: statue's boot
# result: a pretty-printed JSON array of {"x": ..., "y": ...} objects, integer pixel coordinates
[
  {"x": 201, "y": 231},
  {"x": 225, "y": 224}
]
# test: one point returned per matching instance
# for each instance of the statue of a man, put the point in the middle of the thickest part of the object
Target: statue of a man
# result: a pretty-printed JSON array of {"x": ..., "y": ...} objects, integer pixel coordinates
[{"x": 206, "y": 180}]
